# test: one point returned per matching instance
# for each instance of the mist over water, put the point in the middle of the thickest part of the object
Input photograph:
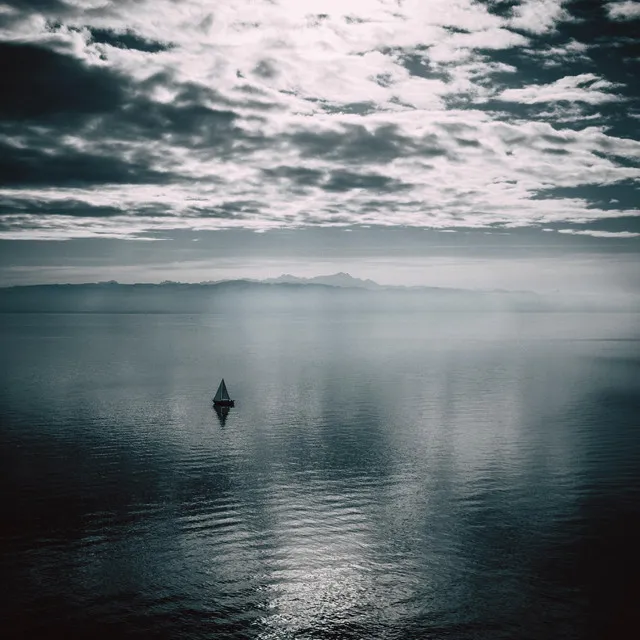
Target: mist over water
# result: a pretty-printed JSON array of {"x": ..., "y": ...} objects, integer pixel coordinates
[{"x": 403, "y": 474}]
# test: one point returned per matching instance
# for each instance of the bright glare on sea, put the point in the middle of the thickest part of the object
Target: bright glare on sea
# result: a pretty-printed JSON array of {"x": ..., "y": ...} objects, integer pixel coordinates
[{"x": 388, "y": 475}]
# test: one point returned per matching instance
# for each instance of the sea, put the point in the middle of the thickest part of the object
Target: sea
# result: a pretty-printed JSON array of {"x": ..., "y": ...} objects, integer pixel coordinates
[{"x": 400, "y": 475}]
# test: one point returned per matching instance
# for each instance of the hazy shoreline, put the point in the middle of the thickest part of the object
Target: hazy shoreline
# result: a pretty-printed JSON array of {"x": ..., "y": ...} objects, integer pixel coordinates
[{"x": 174, "y": 297}]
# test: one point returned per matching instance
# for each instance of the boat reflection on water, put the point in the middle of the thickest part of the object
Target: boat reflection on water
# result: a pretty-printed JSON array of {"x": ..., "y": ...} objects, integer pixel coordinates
[
  {"x": 222, "y": 402},
  {"x": 222, "y": 412}
]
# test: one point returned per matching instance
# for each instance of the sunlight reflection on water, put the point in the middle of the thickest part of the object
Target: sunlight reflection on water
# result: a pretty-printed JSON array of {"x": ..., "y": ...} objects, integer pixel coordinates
[{"x": 383, "y": 481}]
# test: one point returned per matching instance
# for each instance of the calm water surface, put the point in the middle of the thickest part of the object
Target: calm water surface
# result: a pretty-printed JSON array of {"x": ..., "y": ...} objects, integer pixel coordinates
[{"x": 382, "y": 476}]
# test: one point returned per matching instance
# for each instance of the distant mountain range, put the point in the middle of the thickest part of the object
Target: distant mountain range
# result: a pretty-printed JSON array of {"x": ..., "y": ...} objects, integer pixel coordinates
[
  {"x": 341, "y": 279},
  {"x": 285, "y": 293}
]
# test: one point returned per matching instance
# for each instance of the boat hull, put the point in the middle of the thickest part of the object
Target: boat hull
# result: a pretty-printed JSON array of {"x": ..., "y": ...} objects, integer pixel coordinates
[{"x": 224, "y": 403}]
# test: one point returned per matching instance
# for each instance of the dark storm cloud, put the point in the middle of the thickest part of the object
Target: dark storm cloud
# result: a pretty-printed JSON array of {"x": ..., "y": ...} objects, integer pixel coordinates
[
  {"x": 190, "y": 124},
  {"x": 201, "y": 125},
  {"x": 65, "y": 167},
  {"x": 16, "y": 207},
  {"x": 299, "y": 176},
  {"x": 40, "y": 85},
  {"x": 355, "y": 142},
  {"x": 232, "y": 210},
  {"x": 338, "y": 181},
  {"x": 189, "y": 120},
  {"x": 47, "y": 93},
  {"x": 358, "y": 143},
  {"x": 348, "y": 180},
  {"x": 45, "y": 6}
]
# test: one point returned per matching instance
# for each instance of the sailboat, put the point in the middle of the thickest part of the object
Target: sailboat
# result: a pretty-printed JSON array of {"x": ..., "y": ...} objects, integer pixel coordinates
[{"x": 222, "y": 399}]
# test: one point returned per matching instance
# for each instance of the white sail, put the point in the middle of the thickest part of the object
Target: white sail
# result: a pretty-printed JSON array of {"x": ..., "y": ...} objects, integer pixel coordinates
[{"x": 222, "y": 393}]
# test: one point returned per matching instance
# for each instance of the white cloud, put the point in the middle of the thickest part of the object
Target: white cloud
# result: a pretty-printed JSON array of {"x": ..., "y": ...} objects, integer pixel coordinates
[
  {"x": 586, "y": 87},
  {"x": 322, "y": 94},
  {"x": 601, "y": 234},
  {"x": 491, "y": 181},
  {"x": 627, "y": 10},
  {"x": 539, "y": 16},
  {"x": 560, "y": 55}
]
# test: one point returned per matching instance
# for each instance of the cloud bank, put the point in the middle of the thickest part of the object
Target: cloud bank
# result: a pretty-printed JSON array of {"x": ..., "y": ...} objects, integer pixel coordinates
[{"x": 119, "y": 119}]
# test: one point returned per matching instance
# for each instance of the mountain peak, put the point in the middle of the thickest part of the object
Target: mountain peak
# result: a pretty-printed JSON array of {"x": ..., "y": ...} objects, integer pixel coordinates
[{"x": 340, "y": 279}]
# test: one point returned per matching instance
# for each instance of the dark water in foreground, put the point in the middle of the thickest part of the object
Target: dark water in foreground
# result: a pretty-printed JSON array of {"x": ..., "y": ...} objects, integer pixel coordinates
[{"x": 445, "y": 476}]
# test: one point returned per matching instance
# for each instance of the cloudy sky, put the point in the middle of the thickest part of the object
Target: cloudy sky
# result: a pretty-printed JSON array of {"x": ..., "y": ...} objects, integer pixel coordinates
[{"x": 452, "y": 142}]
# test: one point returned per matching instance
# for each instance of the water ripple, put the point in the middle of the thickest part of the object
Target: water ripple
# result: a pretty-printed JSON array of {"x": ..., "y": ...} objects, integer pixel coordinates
[{"x": 372, "y": 481}]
